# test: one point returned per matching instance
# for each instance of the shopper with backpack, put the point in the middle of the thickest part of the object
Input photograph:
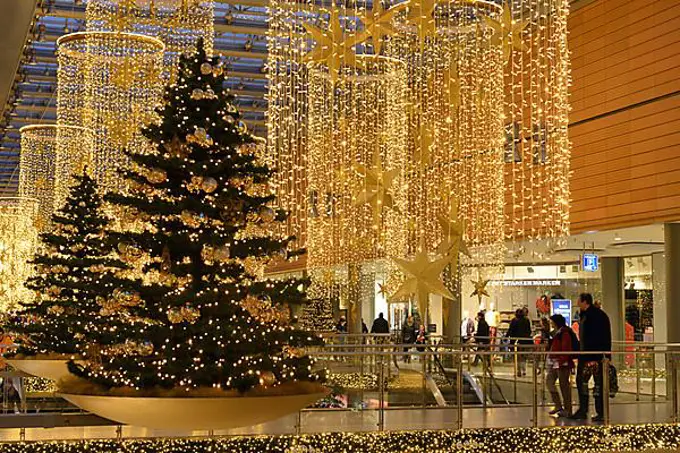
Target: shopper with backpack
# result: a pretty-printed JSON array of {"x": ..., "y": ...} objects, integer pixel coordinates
[{"x": 560, "y": 365}]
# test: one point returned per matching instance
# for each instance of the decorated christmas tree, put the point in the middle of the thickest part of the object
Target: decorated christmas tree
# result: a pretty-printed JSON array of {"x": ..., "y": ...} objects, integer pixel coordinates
[
  {"x": 208, "y": 318},
  {"x": 75, "y": 273}
]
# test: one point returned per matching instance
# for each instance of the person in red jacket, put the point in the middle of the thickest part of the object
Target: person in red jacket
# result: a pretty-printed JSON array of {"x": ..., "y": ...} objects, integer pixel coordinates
[{"x": 560, "y": 365}]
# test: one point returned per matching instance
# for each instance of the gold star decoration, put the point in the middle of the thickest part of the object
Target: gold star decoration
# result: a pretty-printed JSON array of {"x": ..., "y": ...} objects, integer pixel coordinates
[
  {"x": 383, "y": 290},
  {"x": 422, "y": 278},
  {"x": 480, "y": 289},
  {"x": 333, "y": 47},
  {"x": 453, "y": 230},
  {"x": 375, "y": 186},
  {"x": 421, "y": 14},
  {"x": 379, "y": 23},
  {"x": 507, "y": 32}
]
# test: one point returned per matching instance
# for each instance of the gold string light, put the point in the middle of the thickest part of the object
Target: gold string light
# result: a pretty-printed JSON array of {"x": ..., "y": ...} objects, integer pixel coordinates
[
  {"x": 109, "y": 83},
  {"x": 287, "y": 45},
  {"x": 18, "y": 240},
  {"x": 455, "y": 123},
  {"x": 50, "y": 155},
  {"x": 537, "y": 148},
  {"x": 36, "y": 169},
  {"x": 356, "y": 151},
  {"x": 178, "y": 23},
  {"x": 657, "y": 437}
]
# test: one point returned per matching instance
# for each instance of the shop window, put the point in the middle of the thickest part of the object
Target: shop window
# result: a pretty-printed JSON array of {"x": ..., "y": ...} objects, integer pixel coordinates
[{"x": 513, "y": 143}]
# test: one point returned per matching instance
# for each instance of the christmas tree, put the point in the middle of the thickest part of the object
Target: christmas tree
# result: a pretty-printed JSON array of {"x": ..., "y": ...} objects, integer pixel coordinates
[
  {"x": 75, "y": 273},
  {"x": 208, "y": 319}
]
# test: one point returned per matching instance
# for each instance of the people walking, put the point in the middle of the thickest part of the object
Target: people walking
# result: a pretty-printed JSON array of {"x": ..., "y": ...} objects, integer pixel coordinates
[
  {"x": 341, "y": 326},
  {"x": 519, "y": 334},
  {"x": 560, "y": 365},
  {"x": 380, "y": 325},
  {"x": 408, "y": 336},
  {"x": 595, "y": 336},
  {"x": 482, "y": 338}
]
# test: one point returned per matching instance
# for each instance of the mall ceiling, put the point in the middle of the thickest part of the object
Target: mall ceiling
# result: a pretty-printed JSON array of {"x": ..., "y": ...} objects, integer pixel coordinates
[{"x": 28, "y": 65}]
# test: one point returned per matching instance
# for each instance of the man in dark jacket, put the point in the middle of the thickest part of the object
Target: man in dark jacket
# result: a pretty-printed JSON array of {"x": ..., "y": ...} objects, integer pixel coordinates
[
  {"x": 519, "y": 333},
  {"x": 595, "y": 334},
  {"x": 380, "y": 325},
  {"x": 482, "y": 338}
]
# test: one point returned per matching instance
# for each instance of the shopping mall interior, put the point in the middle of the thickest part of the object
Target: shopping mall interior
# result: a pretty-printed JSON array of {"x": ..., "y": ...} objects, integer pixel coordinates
[{"x": 339, "y": 225}]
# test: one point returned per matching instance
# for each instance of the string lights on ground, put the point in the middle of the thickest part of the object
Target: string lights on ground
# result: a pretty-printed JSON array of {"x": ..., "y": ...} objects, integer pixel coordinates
[{"x": 590, "y": 439}]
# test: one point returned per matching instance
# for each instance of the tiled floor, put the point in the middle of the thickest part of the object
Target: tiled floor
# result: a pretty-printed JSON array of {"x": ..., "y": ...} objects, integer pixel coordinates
[{"x": 401, "y": 419}]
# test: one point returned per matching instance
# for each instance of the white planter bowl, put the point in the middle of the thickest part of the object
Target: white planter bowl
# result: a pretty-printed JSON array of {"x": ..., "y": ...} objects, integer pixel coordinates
[
  {"x": 191, "y": 414},
  {"x": 49, "y": 369}
]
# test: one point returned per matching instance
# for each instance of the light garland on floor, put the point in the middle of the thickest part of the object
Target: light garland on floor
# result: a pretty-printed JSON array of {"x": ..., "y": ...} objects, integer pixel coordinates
[
  {"x": 178, "y": 23},
  {"x": 584, "y": 439},
  {"x": 537, "y": 148},
  {"x": 109, "y": 83},
  {"x": 18, "y": 240}
]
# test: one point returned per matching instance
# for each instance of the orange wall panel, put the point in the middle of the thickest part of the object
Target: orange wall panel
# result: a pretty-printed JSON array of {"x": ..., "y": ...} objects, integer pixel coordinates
[{"x": 625, "y": 122}]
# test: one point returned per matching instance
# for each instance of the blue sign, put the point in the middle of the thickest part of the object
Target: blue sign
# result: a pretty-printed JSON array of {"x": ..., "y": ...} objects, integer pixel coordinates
[
  {"x": 561, "y": 307},
  {"x": 590, "y": 262}
]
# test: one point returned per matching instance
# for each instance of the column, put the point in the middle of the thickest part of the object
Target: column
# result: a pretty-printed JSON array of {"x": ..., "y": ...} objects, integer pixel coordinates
[
  {"x": 613, "y": 295},
  {"x": 672, "y": 253}
]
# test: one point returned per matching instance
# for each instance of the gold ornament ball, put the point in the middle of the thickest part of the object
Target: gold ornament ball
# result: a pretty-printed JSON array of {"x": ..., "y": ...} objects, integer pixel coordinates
[
  {"x": 267, "y": 214},
  {"x": 175, "y": 316},
  {"x": 242, "y": 127},
  {"x": 157, "y": 176},
  {"x": 229, "y": 119},
  {"x": 217, "y": 71},
  {"x": 222, "y": 253},
  {"x": 267, "y": 378},
  {"x": 209, "y": 185},
  {"x": 206, "y": 68},
  {"x": 197, "y": 94}
]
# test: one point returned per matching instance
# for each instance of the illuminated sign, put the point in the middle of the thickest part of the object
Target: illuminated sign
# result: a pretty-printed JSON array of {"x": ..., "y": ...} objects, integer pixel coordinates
[
  {"x": 590, "y": 262},
  {"x": 561, "y": 307}
]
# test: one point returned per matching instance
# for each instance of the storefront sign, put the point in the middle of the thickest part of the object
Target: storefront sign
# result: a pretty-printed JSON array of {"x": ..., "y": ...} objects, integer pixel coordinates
[
  {"x": 561, "y": 307},
  {"x": 525, "y": 283}
]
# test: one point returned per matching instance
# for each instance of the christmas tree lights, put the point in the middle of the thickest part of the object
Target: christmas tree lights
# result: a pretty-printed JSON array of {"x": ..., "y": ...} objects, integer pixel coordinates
[{"x": 202, "y": 320}]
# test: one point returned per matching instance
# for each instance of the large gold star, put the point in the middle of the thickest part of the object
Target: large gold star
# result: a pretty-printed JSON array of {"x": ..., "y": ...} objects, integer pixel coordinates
[
  {"x": 421, "y": 14},
  {"x": 507, "y": 32},
  {"x": 375, "y": 186},
  {"x": 333, "y": 47},
  {"x": 422, "y": 278},
  {"x": 379, "y": 23},
  {"x": 452, "y": 243},
  {"x": 480, "y": 289}
]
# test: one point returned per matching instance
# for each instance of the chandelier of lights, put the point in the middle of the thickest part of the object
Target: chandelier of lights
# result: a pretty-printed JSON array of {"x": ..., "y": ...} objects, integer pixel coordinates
[
  {"x": 455, "y": 126},
  {"x": 47, "y": 164},
  {"x": 178, "y": 23},
  {"x": 109, "y": 83},
  {"x": 356, "y": 153},
  {"x": 18, "y": 240}
]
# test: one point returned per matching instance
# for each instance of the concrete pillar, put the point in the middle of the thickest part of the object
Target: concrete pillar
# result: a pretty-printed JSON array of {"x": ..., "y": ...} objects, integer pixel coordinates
[
  {"x": 613, "y": 295},
  {"x": 672, "y": 255}
]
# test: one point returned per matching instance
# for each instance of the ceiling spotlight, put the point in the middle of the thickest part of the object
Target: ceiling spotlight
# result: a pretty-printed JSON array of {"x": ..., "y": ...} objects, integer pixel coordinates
[{"x": 617, "y": 237}]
